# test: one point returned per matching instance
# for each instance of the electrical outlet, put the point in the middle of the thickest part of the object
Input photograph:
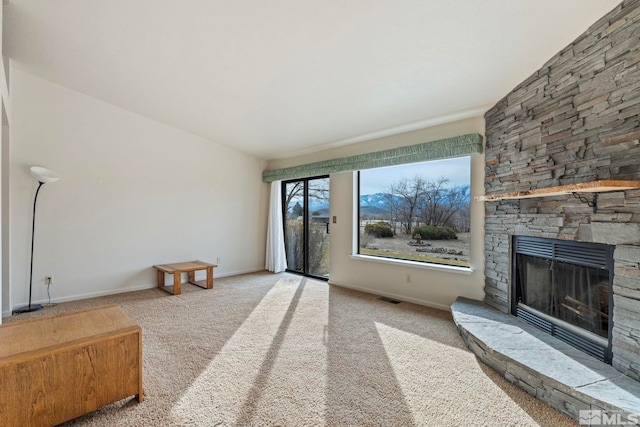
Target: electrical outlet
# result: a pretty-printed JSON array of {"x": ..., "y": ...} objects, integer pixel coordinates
[
  {"x": 48, "y": 280},
  {"x": 218, "y": 260},
  {"x": 408, "y": 278}
]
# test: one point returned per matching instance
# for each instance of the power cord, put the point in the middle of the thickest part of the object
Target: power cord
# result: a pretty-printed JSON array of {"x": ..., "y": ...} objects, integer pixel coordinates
[{"x": 48, "y": 304}]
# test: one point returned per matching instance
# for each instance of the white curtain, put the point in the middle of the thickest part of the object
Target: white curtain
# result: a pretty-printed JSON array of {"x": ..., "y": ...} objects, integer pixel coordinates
[{"x": 276, "y": 256}]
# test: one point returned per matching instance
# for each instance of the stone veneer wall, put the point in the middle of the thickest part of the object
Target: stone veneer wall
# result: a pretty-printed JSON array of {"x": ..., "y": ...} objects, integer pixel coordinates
[{"x": 575, "y": 120}]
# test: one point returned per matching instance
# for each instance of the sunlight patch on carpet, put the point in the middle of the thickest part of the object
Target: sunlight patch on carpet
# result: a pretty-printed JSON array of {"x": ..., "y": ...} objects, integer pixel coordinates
[
  {"x": 432, "y": 375},
  {"x": 295, "y": 376},
  {"x": 228, "y": 380}
]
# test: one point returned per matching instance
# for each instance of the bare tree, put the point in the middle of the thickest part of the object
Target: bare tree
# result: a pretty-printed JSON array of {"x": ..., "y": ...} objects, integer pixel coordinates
[
  {"x": 412, "y": 201},
  {"x": 411, "y": 193},
  {"x": 441, "y": 202},
  {"x": 393, "y": 207},
  {"x": 455, "y": 201},
  {"x": 319, "y": 189},
  {"x": 294, "y": 190},
  {"x": 461, "y": 220}
]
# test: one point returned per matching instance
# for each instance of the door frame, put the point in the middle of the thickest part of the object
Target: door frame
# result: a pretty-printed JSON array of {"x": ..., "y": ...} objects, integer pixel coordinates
[{"x": 305, "y": 222}]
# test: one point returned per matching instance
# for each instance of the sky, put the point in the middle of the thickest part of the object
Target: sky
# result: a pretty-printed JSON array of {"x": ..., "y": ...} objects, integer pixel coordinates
[{"x": 458, "y": 170}]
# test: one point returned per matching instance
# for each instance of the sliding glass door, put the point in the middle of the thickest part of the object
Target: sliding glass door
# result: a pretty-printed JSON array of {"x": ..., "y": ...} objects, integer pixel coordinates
[{"x": 306, "y": 225}]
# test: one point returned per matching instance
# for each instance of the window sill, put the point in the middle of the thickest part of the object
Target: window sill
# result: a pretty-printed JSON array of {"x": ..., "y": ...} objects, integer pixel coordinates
[{"x": 413, "y": 264}]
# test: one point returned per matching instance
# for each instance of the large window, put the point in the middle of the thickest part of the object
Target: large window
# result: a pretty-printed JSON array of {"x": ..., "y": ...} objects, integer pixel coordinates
[{"x": 417, "y": 212}]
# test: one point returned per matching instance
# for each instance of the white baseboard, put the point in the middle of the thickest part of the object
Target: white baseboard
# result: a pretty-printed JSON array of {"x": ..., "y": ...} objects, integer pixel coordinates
[
  {"x": 238, "y": 272},
  {"x": 80, "y": 296},
  {"x": 394, "y": 296},
  {"x": 91, "y": 295},
  {"x": 119, "y": 291}
]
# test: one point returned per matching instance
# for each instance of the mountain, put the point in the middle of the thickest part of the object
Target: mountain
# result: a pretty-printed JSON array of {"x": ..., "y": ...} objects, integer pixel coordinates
[
  {"x": 378, "y": 200},
  {"x": 372, "y": 210},
  {"x": 373, "y": 203},
  {"x": 318, "y": 205}
]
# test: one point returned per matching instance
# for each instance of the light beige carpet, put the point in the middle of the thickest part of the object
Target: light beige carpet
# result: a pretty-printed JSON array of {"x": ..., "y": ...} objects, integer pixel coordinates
[{"x": 264, "y": 349}]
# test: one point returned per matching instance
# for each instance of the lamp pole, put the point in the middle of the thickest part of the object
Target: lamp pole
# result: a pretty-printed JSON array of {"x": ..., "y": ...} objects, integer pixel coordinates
[
  {"x": 33, "y": 233},
  {"x": 42, "y": 175},
  {"x": 35, "y": 307}
]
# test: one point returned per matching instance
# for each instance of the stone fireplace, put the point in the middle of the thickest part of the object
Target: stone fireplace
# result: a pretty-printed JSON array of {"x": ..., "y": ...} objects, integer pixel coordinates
[{"x": 573, "y": 122}]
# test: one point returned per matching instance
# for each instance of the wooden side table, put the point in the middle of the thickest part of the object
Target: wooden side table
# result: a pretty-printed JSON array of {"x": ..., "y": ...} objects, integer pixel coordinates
[{"x": 190, "y": 268}]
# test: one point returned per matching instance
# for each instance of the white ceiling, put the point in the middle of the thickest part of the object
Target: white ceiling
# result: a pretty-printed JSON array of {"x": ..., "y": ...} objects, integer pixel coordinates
[{"x": 283, "y": 77}]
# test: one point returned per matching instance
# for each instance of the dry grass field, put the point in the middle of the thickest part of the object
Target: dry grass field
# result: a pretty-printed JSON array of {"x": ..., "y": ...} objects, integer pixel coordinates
[{"x": 400, "y": 246}]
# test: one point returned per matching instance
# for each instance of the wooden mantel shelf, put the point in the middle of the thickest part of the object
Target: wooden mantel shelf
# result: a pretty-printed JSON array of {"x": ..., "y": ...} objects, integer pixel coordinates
[{"x": 585, "y": 187}]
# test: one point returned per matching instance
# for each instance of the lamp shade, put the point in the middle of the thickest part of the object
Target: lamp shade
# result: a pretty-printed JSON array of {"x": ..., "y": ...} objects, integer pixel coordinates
[{"x": 44, "y": 175}]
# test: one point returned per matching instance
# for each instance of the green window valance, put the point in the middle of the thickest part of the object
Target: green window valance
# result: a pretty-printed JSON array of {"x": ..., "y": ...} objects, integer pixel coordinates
[{"x": 441, "y": 149}]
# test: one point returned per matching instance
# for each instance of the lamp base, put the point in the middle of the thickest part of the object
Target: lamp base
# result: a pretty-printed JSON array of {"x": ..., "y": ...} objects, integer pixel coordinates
[{"x": 28, "y": 309}]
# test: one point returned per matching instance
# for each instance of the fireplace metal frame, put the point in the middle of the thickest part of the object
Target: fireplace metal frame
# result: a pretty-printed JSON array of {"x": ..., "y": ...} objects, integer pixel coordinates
[{"x": 599, "y": 256}]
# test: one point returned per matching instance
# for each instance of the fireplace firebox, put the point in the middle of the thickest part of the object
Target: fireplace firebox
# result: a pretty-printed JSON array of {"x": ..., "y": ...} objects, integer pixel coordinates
[{"x": 565, "y": 288}]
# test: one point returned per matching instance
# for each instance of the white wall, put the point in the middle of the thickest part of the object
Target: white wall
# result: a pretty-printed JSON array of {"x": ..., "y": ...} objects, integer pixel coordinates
[
  {"x": 5, "y": 113},
  {"x": 134, "y": 192},
  {"x": 433, "y": 287},
  {"x": 5, "y": 250}
]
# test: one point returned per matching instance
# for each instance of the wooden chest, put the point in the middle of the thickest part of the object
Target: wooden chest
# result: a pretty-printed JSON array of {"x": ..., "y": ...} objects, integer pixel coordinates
[{"x": 56, "y": 368}]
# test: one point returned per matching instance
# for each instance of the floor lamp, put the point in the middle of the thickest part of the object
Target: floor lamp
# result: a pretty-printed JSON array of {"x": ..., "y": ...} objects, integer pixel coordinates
[{"x": 43, "y": 175}]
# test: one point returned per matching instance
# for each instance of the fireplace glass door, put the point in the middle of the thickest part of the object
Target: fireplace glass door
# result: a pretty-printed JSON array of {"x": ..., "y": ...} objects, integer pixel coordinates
[
  {"x": 564, "y": 288},
  {"x": 576, "y": 294}
]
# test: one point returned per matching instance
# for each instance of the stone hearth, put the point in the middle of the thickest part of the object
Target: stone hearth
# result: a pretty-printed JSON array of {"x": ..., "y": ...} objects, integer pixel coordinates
[{"x": 547, "y": 368}]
